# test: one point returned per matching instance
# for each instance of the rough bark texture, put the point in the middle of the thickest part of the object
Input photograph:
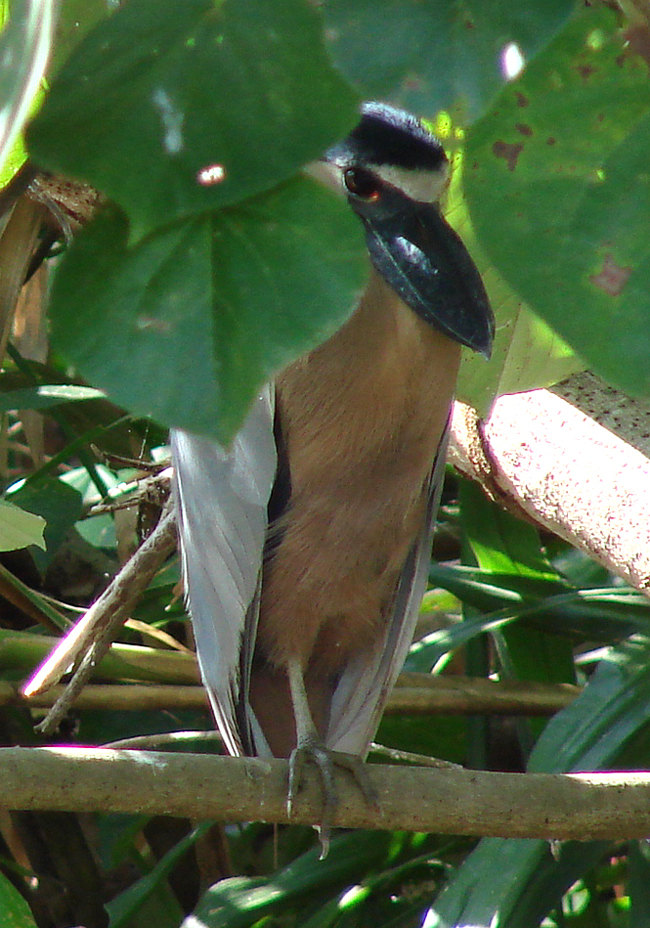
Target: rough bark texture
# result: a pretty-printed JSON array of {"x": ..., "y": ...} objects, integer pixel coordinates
[
  {"x": 540, "y": 455},
  {"x": 585, "y": 806}
]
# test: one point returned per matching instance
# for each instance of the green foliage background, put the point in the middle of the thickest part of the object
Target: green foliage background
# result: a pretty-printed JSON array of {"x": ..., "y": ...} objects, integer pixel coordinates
[{"x": 182, "y": 297}]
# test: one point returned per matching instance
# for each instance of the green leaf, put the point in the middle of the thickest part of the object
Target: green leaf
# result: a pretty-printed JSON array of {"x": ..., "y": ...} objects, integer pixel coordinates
[
  {"x": 596, "y": 614},
  {"x": 189, "y": 323},
  {"x": 47, "y": 395},
  {"x": 526, "y": 353},
  {"x": 479, "y": 895},
  {"x": 76, "y": 18},
  {"x": 486, "y": 589},
  {"x": 124, "y": 907},
  {"x": 28, "y": 647},
  {"x": 425, "y": 654},
  {"x": 587, "y": 735},
  {"x": 436, "y": 56},
  {"x": 507, "y": 545},
  {"x": 193, "y": 104},
  {"x": 501, "y": 542},
  {"x": 242, "y": 901},
  {"x": 14, "y": 911},
  {"x": 537, "y": 356},
  {"x": 98, "y": 531},
  {"x": 445, "y": 737},
  {"x": 18, "y": 528},
  {"x": 639, "y": 886},
  {"x": 24, "y": 48},
  {"x": 56, "y": 502},
  {"x": 563, "y": 143},
  {"x": 381, "y": 896}
]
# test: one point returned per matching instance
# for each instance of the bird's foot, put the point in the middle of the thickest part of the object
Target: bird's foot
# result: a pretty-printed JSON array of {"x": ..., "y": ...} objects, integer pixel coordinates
[{"x": 326, "y": 761}]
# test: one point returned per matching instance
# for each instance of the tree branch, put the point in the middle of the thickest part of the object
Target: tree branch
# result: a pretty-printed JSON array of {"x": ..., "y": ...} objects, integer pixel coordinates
[
  {"x": 91, "y": 637},
  {"x": 414, "y": 694},
  {"x": 422, "y": 693},
  {"x": 625, "y": 416},
  {"x": 538, "y": 454},
  {"x": 585, "y": 806}
]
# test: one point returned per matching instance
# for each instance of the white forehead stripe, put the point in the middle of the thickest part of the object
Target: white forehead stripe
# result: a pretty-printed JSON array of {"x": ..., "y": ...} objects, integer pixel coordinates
[
  {"x": 326, "y": 173},
  {"x": 425, "y": 186}
]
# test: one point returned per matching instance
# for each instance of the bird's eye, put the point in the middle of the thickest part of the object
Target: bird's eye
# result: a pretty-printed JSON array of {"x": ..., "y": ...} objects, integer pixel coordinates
[{"x": 361, "y": 183}]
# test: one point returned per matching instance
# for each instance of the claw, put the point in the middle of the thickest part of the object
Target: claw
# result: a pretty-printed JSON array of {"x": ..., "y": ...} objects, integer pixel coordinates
[
  {"x": 310, "y": 746},
  {"x": 326, "y": 761},
  {"x": 324, "y": 834}
]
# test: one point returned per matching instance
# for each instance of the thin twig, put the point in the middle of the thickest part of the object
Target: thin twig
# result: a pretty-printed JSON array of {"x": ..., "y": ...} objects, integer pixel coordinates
[
  {"x": 150, "y": 488},
  {"x": 169, "y": 739},
  {"x": 409, "y": 757},
  {"x": 422, "y": 694},
  {"x": 92, "y": 635}
]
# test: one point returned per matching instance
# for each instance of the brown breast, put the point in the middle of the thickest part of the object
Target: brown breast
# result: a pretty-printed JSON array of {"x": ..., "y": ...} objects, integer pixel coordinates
[{"x": 361, "y": 418}]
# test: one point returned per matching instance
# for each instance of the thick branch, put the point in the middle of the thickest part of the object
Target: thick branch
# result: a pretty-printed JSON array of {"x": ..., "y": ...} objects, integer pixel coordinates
[
  {"x": 538, "y": 453},
  {"x": 577, "y": 806},
  {"x": 625, "y": 416}
]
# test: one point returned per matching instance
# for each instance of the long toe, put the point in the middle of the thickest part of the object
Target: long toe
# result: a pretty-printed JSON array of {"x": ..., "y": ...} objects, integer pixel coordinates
[
  {"x": 359, "y": 771},
  {"x": 326, "y": 761}
]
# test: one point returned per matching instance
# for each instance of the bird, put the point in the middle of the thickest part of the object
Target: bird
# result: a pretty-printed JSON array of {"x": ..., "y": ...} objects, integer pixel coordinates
[{"x": 305, "y": 544}]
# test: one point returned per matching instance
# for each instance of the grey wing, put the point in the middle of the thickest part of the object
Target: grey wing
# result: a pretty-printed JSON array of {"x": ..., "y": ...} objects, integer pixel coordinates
[
  {"x": 221, "y": 499},
  {"x": 363, "y": 689}
]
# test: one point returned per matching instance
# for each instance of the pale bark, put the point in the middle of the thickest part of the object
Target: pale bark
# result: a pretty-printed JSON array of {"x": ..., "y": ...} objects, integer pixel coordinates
[
  {"x": 586, "y": 807},
  {"x": 541, "y": 456}
]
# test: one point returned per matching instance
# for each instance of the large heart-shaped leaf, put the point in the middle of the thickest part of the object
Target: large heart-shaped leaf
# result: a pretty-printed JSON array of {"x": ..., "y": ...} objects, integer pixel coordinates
[
  {"x": 186, "y": 325},
  {"x": 174, "y": 109}
]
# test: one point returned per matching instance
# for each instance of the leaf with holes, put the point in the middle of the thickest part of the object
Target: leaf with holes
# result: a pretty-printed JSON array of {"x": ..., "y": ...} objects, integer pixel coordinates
[{"x": 557, "y": 182}]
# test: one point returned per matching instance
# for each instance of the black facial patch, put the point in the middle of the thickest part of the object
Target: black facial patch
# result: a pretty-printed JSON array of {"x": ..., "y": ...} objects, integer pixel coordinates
[{"x": 389, "y": 136}]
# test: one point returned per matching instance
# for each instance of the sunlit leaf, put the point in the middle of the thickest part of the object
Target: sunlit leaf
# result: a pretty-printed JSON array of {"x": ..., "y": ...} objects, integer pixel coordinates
[
  {"x": 19, "y": 528},
  {"x": 56, "y": 502},
  {"x": 542, "y": 172},
  {"x": 14, "y": 911},
  {"x": 587, "y": 735},
  {"x": 42, "y": 397},
  {"x": 479, "y": 895},
  {"x": 242, "y": 901},
  {"x": 502, "y": 543},
  {"x": 24, "y": 49}
]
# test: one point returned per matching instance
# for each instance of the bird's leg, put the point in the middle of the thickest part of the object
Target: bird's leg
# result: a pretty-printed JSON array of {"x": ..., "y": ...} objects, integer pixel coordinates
[{"x": 310, "y": 746}]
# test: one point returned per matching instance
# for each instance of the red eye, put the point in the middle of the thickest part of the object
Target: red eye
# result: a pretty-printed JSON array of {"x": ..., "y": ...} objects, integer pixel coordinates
[{"x": 362, "y": 183}]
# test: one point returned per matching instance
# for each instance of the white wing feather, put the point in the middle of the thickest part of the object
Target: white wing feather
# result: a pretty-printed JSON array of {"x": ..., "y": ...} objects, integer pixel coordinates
[
  {"x": 222, "y": 499},
  {"x": 363, "y": 689}
]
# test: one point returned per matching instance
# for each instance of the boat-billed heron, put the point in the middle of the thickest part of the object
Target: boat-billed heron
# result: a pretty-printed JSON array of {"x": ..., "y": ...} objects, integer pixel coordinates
[{"x": 305, "y": 545}]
